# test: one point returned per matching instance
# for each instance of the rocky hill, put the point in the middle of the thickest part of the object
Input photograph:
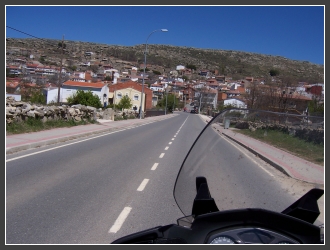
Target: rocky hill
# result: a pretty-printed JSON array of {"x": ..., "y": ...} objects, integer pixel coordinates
[{"x": 163, "y": 58}]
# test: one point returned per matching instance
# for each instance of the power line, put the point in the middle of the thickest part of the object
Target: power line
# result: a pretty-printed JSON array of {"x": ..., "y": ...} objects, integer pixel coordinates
[{"x": 28, "y": 34}]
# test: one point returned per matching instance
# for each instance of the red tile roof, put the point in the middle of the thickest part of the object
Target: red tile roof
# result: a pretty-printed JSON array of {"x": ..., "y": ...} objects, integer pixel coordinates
[
  {"x": 32, "y": 65},
  {"x": 12, "y": 84},
  {"x": 31, "y": 84},
  {"x": 85, "y": 84}
]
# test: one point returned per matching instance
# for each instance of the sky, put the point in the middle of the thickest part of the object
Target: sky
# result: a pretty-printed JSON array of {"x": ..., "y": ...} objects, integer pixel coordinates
[{"x": 294, "y": 32}]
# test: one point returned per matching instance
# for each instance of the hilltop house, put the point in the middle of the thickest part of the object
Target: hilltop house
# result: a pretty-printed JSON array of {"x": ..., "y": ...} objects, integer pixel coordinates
[
  {"x": 70, "y": 87},
  {"x": 12, "y": 87},
  {"x": 207, "y": 98},
  {"x": 235, "y": 102},
  {"x": 133, "y": 90}
]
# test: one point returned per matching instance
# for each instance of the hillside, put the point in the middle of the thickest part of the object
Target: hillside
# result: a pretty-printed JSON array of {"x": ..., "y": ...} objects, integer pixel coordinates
[{"x": 164, "y": 58}]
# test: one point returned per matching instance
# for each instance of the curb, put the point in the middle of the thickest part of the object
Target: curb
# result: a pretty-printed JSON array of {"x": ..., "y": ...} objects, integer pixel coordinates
[
  {"x": 278, "y": 167},
  {"x": 14, "y": 149},
  {"x": 266, "y": 159},
  {"x": 272, "y": 163}
]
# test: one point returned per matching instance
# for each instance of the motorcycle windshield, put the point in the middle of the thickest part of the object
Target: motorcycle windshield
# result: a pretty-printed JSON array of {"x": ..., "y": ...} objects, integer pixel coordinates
[{"x": 238, "y": 178}]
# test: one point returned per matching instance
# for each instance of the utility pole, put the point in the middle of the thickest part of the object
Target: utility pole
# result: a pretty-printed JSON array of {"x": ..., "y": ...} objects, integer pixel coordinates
[
  {"x": 200, "y": 102},
  {"x": 166, "y": 92},
  {"x": 174, "y": 88},
  {"x": 60, "y": 76}
]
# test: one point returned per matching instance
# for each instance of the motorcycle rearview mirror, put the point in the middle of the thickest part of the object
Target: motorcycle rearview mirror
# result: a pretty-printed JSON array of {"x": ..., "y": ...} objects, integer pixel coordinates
[
  {"x": 203, "y": 202},
  {"x": 306, "y": 207}
]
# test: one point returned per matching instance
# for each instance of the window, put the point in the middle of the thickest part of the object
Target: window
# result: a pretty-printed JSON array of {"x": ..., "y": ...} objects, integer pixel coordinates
[
  {"x": 119, "y": 95},
  {"x": 136, "y": 97}
]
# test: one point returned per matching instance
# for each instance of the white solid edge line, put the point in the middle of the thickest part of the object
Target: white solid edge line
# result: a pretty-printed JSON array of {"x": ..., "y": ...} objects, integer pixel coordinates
[
  {"x": 228, "y": 140},
  {"x": 41, "y": 151},
  {"x": 23, "y": 156},
  {"x": 142, "y": 185},
  {"x": 120, "y": 220}
]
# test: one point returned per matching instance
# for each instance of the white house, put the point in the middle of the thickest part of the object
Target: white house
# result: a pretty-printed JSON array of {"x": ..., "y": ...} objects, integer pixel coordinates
[
  {"x": 70, "y": 87},
  {"x": 199, "y": 85},
  {"x": 157, "y": 87},
  {"x": 180, "y": 67},
  {"x": 235, "y": 102},
  {"x": 16, "y": 97},
  {"x": 234, "y": 85}
]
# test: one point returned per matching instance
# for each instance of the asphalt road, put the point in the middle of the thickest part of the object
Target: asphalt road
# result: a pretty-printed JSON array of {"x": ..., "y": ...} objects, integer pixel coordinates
[
  {"x": 97, "y": 190},
  {"x": 75, "y": 194}
]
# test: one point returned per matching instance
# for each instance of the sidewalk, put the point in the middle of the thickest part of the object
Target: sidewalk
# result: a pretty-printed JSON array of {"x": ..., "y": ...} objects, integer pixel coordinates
[
  {"x": 287, "y": 163},
  {"x": 15, "y": 143}
]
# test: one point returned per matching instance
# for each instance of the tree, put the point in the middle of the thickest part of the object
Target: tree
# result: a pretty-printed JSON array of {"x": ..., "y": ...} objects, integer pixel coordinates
[
  {"x": 125, "y": 103},
  {"x": 60, "y": 45},
  {"x": 172, "y": 102},
  {"x": 274, "y": 72},
  {"x": 205, "y": 99},
  {"x": 191, "y": 66},
  {"x": 108, "y": 78},
  {"x": 253, "y": 95},
  {"x": 38, "y": 98},
  {"x": 86, "y": 98},
  {"x": 141, "y": 70},
  {"x": 94, "y": 68},
  {"x": 316, "y": 106},
  {"x": 72, "y": 67}
]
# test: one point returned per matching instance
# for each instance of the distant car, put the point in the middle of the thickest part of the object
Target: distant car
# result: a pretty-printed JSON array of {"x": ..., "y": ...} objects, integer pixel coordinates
[
  {"x": 193, "y": 111},
  {"x": 192, "y": 104}
]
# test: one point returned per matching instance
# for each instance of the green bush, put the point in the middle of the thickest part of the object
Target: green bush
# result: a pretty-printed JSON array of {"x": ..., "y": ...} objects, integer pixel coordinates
[
  {"x": 125, "y": 103},
  {"x": 36, "y": 124},
  {"x": 86, "y": 98},
  {"x": 38, "y": 97}
]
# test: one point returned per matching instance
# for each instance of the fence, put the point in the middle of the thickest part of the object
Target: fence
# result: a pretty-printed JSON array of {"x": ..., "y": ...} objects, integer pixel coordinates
[{"x": 150, "y": 113}]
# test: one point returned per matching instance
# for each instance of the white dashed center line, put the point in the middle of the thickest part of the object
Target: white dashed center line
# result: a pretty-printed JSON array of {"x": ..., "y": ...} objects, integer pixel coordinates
[
  {"x": 123, "y": 215},
  {"x": 154, "y": 166},
  {"x": 120, "y": 220},
  {"x": 143, "y": 185}
]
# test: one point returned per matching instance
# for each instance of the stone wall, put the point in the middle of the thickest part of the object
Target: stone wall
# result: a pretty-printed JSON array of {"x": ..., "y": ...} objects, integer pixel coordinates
[
  {"x": 307, "y": 133},
  {"x": 18, "y": 111}
]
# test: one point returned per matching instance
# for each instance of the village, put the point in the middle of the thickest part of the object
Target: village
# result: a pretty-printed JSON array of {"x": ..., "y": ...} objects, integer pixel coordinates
[{"x": 209, "y": 93}]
